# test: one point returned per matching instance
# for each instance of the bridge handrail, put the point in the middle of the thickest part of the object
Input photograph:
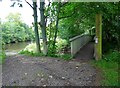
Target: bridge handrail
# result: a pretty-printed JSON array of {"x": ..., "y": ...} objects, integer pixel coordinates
[
  {"x": 78, "y": 36},
  {"x": 78, "y": 42}
]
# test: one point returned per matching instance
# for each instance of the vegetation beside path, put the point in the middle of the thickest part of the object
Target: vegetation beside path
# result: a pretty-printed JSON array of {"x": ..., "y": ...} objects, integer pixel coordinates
[
  {"x": 2, "y": 57},
  {"x": 109, "y": 68}
]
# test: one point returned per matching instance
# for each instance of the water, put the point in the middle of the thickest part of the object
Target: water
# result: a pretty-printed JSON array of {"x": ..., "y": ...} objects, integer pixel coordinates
[{"x": 14, "y": 48}]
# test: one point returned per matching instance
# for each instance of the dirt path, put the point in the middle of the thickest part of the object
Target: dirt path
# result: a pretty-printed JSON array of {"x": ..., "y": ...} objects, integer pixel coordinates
[{"x": 20, "y": 70}]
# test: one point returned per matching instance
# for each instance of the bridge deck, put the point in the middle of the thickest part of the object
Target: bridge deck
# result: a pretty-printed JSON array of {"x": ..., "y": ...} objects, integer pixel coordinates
[{"x": 86, "y": 52}]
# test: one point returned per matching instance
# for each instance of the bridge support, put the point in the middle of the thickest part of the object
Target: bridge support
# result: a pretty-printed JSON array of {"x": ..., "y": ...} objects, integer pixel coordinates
[{"x": 98, "y": 41}]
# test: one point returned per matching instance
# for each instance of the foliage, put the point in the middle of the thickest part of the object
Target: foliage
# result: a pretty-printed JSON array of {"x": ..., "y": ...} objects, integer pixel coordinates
[
  {"x": 30, "y": 53},
  {"x": 31, "y": 50},
  {"x": 109, "y": 67},
  {"x": 77, "y": 22},
  {"x": 14, "y": 30},
  {"x": 112, "y": 55},
  {"x": 79, "y": 18},
  {"x": 111, "y": 21},
  {"x": 51, "y": 51},
  {"x": 2, "y": 57},
  {"x": 65, "y": 57},
  {"x": 2, "y": 52},
  {"x": 109, "y": 72},
  {"x": 61, "y": 43}
]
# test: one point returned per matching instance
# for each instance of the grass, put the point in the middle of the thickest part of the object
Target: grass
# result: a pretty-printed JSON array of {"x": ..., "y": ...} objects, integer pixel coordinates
[
  {"x": 109, "y": 67},
  {"x": 30, "y": 53},
  {"x": 2, "y": 57},
  {"x": 64, "y": 56},
  {"x": 109, "y": 72}
]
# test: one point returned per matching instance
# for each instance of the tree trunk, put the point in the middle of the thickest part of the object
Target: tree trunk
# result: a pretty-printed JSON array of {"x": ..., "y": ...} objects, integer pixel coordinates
[
  {"x": 56, "y": 30},
  {"x": 43, "y": 27},
  {"x": 50, "y": 34},
  {"x": 36, "y": 27}
]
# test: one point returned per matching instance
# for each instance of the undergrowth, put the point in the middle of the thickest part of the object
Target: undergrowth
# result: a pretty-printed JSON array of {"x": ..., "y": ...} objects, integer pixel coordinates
[
  {"x": 31, "y": 53},
  {"x": 57, "y": 52},
  {"x": 109, "y": 67}
]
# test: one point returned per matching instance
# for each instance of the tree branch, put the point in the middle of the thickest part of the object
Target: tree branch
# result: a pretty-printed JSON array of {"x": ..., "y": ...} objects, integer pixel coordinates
[
  {"x": 29, "y": 4},
  {"x": 48, "y": 7},
  {"x": 67, "y": 16}
]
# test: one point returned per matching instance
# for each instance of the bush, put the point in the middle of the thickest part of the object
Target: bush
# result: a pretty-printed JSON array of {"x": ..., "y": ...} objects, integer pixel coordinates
[
  {"x": 61, "y": 43},
  {"x": 30, "y": 53},
  {"x": 31, "y": 48},
  {"x": 112, "y": 55}
]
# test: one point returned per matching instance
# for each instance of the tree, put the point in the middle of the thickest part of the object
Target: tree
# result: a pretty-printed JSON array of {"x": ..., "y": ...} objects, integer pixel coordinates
[
  {"x": 13, "y": 28},
  {"x": 43, "y": 27},
  {"x": 56, "y": 28},
  {"x": 34, "y": 7},
  {"x": 36, "y": 26}
]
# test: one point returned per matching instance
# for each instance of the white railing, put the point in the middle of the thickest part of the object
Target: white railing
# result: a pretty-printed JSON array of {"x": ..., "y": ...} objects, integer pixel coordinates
[{"x": 78, "y": 42}]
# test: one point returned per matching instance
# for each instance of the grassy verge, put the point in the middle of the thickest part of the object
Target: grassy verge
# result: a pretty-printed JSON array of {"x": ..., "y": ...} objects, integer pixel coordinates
[
  {"x": 109, "y": 67},
  {"x": 2, "y": 57},
  {"x": 64, "y": 56},
  {"x": 109, "y": 72}
]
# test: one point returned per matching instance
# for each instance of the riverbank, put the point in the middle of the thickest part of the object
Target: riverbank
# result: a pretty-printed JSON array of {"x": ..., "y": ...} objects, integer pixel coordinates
[{"x": 14, "y": 48}]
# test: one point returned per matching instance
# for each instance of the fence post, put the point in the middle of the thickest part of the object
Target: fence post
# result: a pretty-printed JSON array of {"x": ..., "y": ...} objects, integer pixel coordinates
[{"x": 98, "y": 44}]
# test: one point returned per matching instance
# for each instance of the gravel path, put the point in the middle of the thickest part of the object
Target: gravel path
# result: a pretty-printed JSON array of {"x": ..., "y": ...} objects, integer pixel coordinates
[{"x": 21, "y": 70}]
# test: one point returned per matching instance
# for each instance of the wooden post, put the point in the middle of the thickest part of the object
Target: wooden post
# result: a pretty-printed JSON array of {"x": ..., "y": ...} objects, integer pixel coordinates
[{"x": 98, "y": 41}]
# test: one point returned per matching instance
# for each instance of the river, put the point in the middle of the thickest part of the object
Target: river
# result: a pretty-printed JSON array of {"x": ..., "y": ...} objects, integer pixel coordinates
[{"x": 14, "y": 48}]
